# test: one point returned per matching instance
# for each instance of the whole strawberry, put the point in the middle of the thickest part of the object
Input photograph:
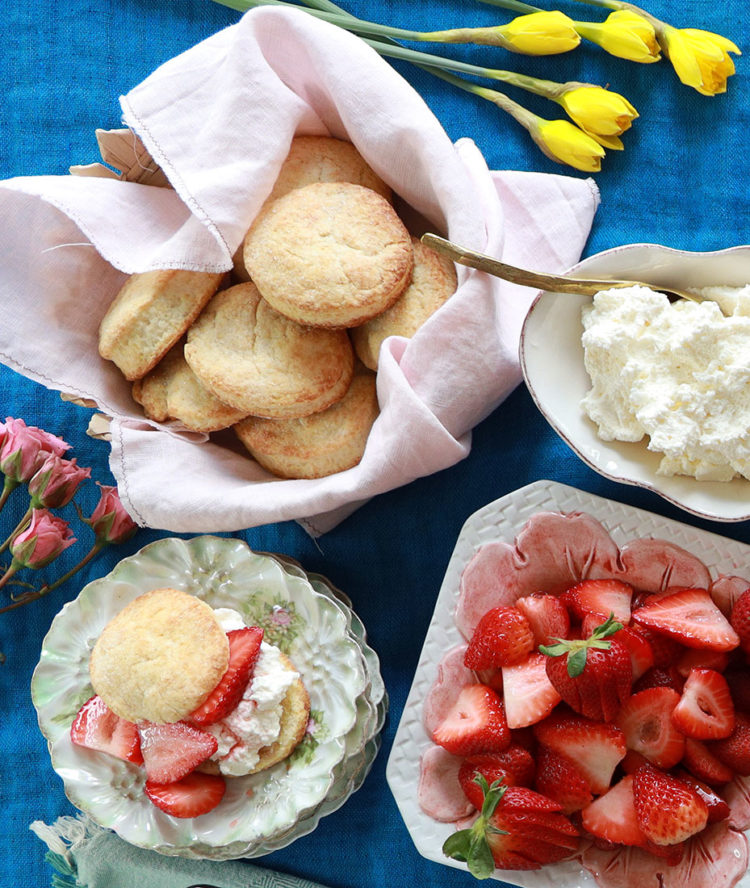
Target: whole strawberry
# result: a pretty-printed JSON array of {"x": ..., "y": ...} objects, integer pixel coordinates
[
  {"x": 502, "y": 637},
  {"x": 593, "y": 675}
]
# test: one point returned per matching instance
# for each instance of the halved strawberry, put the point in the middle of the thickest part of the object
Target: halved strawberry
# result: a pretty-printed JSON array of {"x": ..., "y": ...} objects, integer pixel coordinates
[
  {"x": 734, "y": 750},
  {"x": 602, "y": 597},
  {"x": 703, "y": 764},
  {"x": 660, "y": 677},
  {"x": 740, "y": 620},
  {"x": 690, "y": 617},
  {"x": 668, "y": 810},
  {"x": 595, "y": 747},
  {"x": 666, "y": 651},
  {"x": 173, "y": 750},
  {"x": 561, "y": 780},
  {"x": 718, "y": 809},
  {"x": 475, "y": 723},
  {"x": 705, "y": 710},
  {"x": 612, "y": 816},
  {"x": 97, "y": 727},
  {"x": 527, "y": 691},
  {"x": 697, "y": 658},
  {"x": 244, "y": 647},
  {"x": 547, "y": 616},
  {"x": 501, "y": 638},
  {"x": 646, "y": 722},
  {"x": 193, "y": 795},
  {"x": 514, "y": 767}
]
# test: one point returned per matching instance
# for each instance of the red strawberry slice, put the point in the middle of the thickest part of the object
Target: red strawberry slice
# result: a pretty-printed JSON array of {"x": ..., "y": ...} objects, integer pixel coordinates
[
  {"x": 740, "y": 620},
  {"x": 193, "y": 795},
  {"x": 612, "y": 816},
  {"x": 561, "y": 780},
  {"x": 97, "y": 727},
  {"x": 171, "y": 751},
  {"x": 734, "y": 750},
  {"x": 475, "y": 723},
  {"x": 660, "y": 677},
  {"x": 514, "y": 767},
  {"x": 244, "y": 647},
  {"x": 527, "y": 691},
  {"x": 646, "y": 722},
  {"x": 666, "y": 651},
  {"x": 703, "y": 764},
  {"x": 547, "y": 616},
  {"x": 595, "y": 747},
  {"x": 705, "y": 710},
  {"x": 668, "y": 810},
  {"x": 691, "y": 618},
  {"x": 502, "y": 637},
  {"x": 718, "y": 809},
  {"x": 602, "y": 597},
  {"x": 696, "y": 658},
  {"x": 641, "y": 655}
]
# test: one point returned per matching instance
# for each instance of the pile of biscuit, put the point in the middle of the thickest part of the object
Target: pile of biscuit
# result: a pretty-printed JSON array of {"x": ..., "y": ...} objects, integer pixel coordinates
[{"x": 285, "y": 349}]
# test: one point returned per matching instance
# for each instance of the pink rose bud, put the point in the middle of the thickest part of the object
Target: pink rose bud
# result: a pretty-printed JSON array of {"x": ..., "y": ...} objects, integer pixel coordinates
[
  {"x": 42, "y": 541},
  {"x": 109, "y": 520},
  {"x": 55, "y": 482},
  {"x": 23, "y": 448}
]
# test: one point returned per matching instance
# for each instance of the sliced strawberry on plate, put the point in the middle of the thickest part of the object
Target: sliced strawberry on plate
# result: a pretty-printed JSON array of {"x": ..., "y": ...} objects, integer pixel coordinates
[
  {"x": 734, "y": 750},
  {"x": 244, "y": 647},
  {"x": 595, "y": 747},
  {"x": 501, "y": 638},
  {"x": 193, "y": 795},
  {"x": 690, "y": 617},
  {"x": 705, "y": 710},
  {"x": 668, "y": 810},
  {"x": 171, "y": 751},
  {"x": 666, "y": 651},
  {"x": 660, "y": 677},
  {"x": 475, "y": 723},
  {"x": 514, "y": 767},
  {"x": 612, "y": 816},
  {"x": 97, "y": 727},
  {"x": 527, "y": 691},
  {"x": 718, "y": 809},
  {"x": 602, "y": 597},
  {"x": 695, "y": 658},
  {"x": 547, "y": 616},
  {"x": 561, "y": 780},
  {"x": 740, "y": 620},
  {"x": 700, "y": 761},
  {"x": 646, "y": 722},
  {"x": 641, "y": 655}
]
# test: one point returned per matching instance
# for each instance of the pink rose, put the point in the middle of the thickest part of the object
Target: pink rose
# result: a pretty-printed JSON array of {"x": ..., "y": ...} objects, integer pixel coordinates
[
  {"x": 42, "y": 541},
  {"x": 55, "y": 482},
  {"x": 109, "y": 520},
  {"x": 23, "y": 448}
]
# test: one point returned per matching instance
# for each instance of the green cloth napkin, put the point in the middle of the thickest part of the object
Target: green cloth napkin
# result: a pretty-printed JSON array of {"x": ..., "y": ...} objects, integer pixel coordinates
[{"x": 86, "y": 856}]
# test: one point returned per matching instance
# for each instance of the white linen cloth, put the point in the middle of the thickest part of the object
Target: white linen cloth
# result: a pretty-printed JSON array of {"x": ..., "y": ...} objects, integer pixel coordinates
[{"x": 218, "y": 119}]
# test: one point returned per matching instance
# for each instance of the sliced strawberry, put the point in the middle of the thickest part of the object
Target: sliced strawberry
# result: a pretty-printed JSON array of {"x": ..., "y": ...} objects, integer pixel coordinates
[
  {"x": 547, "y": 616},
  {"x": 612, "y": 816},
  {"x": 632, "y": 761},
  {"x": 666, "y": 651},
  {"x": 501, "y": 638},
  {"x": 703, "y": 764},
  {"x": 97, "y": 727},
  {"x": 641, "y": 655},
  {"x": 738, "y": 680},
  {"x": 668, "y": 810},
  {"x": 691, "y": 618},
  {"x": 705, "y": 710},
  {"x": 718, "y": 809},
  {"x": 646, "y": 721},
  {"x": 244, "y": 647},
  {"x": 475, "y": 723},
  {"x": 660, "y": 677},
  {"x": 528, "y": 694},
  {"x": 740, "y": 620},
  {"x": 514, "y": 767},
  {"x": 193, "y": 795},
  {"x": 734, "y": 750},
  {"x": 696, "y": 658},
  {"x": 173, "y": 750},
  {"x": 493, "y": 678},
  {"x": 595, "y": 747},
  {"x": 561, "y": 780},
  {"x": 602, "y": 597}
]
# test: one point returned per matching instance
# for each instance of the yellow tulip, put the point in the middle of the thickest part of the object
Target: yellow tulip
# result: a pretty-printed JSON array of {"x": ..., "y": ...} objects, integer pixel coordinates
[
  {"x": 564, "y": 142},
  {"x": 624, "y": 34},
  {"x": 601, "y": 113},
  {"x": 700, "y": 58},
  {"x": 540, "y": 33}
]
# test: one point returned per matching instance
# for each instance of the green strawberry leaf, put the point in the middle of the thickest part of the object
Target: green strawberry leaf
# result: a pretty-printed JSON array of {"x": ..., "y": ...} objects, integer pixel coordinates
[
  {"x": 480, "y": 861},
  {"x": 458, "y": 845},
  {"x": 576, "y": 662},
  {"x": 470, "y": 845}
]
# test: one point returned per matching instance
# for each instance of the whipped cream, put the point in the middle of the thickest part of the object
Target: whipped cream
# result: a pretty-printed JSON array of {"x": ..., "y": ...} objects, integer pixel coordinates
[
  {"x": 255, "y": 721},
  {"x": 678, "y": 373}
]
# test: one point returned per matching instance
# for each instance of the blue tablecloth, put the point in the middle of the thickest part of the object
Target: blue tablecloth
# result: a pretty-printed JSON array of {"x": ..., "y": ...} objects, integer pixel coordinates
[{"x": 683, "y": 180}]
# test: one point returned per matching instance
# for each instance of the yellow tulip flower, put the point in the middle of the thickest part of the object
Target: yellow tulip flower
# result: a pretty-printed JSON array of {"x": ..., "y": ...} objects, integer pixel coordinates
[
  {"x": 700, "y": 58},
  {"x": 599, "y": 112},
  {"x": 540, "y": 33},
  {"x": 624, "y": 34},
  {"x": 564, "y": 142}
]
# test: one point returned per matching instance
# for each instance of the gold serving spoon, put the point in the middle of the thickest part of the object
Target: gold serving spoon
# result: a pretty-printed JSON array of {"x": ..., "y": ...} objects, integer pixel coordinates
[{"x": 539, "y": 281}]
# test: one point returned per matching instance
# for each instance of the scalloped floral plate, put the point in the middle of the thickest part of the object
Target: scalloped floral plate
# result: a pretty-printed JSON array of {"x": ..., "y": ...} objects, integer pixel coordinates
[
  {"x": 312, "y": 628},
  {"x": 502, "y": 520}
]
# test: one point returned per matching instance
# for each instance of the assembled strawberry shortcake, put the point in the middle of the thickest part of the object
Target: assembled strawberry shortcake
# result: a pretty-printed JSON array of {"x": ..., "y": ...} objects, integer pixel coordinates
[{"x": 193, "y": 695}]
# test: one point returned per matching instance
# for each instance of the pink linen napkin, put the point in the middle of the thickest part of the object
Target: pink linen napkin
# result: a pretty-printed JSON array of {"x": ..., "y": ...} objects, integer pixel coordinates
[{"x": 218, "y": 119}]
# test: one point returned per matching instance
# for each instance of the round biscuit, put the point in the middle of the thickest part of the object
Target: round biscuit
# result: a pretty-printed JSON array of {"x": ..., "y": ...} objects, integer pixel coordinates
[
  {"x": 318, "y": 445},
  {"x": 160, "y": 657},
  {"x": 259, "y": 361},
  {"x": 433, "y": 282},
  {"x": 331, "y": 254},
  {"x": 295, "y": 713}
]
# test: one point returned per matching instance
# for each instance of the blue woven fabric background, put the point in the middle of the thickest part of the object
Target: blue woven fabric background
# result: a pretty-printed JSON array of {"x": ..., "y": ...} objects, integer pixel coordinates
[{"x": 683, "y": 180}]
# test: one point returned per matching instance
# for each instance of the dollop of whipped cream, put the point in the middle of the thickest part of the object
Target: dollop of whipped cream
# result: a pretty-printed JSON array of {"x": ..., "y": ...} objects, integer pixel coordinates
[
  {"x": 255, "y": 721},
  {"x": 677, "y": 372}
]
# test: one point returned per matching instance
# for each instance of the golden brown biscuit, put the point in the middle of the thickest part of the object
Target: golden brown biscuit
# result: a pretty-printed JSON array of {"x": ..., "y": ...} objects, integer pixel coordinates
[
  {"x": 433, "y": 282},
  {"x": 317, "y": 445},
  {"x": 160, "y": 657},
  {"x": 172, "y": 391},
  {"x": 259, "y": 361},
  {"x": 332, "y": 254},
  {"x": 294, "y": 717},
  {"x": 149, "y": 314}
]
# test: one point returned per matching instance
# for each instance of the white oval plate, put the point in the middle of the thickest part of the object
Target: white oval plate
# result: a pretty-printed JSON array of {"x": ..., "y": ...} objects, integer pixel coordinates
[{"x": 552, "y": 363}]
